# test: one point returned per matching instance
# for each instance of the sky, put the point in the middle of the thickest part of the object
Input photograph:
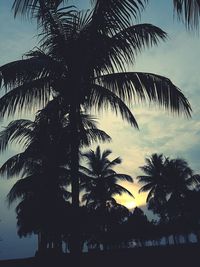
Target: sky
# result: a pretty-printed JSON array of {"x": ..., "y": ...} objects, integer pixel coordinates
[{"x": 160, "y": 132}]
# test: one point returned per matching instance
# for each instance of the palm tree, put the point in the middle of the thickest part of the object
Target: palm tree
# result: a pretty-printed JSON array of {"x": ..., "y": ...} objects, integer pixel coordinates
[
  {"x": 154, "y": 183},
  {"x": 100, "y": 181},
  {"x": 180, "y": 180},
  {"x": 169, "y": 182},
  {"x": 83, "y": 59},
  {"x": 90, "y": 71},
  {"x": 43, "y": 169}
]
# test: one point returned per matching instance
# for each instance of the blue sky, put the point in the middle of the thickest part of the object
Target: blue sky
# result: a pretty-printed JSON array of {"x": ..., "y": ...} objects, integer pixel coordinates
[{"x": 160, "y": 132}]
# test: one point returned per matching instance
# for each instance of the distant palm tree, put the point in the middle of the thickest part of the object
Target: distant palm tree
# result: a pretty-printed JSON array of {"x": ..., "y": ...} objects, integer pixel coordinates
[
  {"x": 100, "y": 180},
  {"x": 100, "y": 183},
  {"x": 169, "y": 182},
  {"x": 154, "y": 183},
  {"x": 180, "y": 180}
]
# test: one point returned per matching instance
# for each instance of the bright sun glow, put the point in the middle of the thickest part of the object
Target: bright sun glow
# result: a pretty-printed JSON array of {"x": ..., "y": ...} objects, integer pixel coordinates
[{"x": 130, "y": 205}]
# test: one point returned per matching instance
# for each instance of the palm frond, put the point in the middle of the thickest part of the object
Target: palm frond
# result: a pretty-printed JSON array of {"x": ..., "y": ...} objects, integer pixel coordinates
[
  {"x": 25, "y": 98},
  {"x": 18, "y": 131},
  {"x": 119, "y": 190},
  {"x": 120, "y": 50},
  {"x": 115, "y": 13},
  {"x": 188, "y": 11},
  {"x": 101, "y": 97},
  {"x": 13, "y": 166},
  {"x": 29, "y": 7},
  {"x": 146, "y": 187},
  {"x": 113, "y": 163},
  {"x": 106, "y": 153},
  {"x": 144, "y": 179},
  {"x": 150, "y": 195},
  {"x": 147, "y": 87},
  {"x": 37, "y": 64},
  {"x": 20, "y": 188},
  {"x": 85, "y": 170},
  {"x": 120, "y": 177}
]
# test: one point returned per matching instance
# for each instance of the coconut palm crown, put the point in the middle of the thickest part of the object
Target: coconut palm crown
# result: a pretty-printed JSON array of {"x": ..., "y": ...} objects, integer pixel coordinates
[{"x": 100, "y": 180}]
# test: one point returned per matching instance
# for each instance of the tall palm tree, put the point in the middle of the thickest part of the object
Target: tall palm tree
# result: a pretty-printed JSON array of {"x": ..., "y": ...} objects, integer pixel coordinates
[
  {"x": 81, "y": 54},
  {"x": 83, "y": 57},
  {"x": 43, "y": 169}
]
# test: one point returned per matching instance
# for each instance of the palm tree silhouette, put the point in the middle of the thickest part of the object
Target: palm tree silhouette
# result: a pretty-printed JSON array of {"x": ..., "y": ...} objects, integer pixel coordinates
[
  {"x": 83, "y": 58},
  {"x": 43, "y": 168},
  {"x": 181, "y": 179},
  {"x": 169, "y": 182},
  {"x": 100, "y": 181},
  {"x": 154, "y": 183}
]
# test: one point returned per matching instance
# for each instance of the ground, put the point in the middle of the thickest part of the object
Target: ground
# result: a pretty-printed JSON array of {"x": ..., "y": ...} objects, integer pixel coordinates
[{"x": 159, "y": 256}]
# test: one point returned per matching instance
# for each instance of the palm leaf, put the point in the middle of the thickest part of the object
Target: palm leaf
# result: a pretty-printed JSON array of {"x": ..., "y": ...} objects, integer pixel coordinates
[
  {"x": 93, "y": 135},
  {"x": 132, "y": 86},
  {"x": 119, "y": 177},
  {"x": 115, "y": 13},
  {"x": 120, "y": 50},
  {"x": 150, "y": 195},
  {"x": 21, "y": 98},
  {"x": 144, "y": 179},
  {"x": 113, "y": 163},
  {"x": 119, "y": 190},
  {"x": 36, "y": 65},
  {"x": 18, "y": 131},
  {"x": 13, "y": 166},
  {"x": 29, "y": 7},
  {"x": 146, "y": 187},
  {"x": 85, "y": 170},
  {"x": 22, "y": 187},
  {"x": 102, "y": 97},
  {"x": 188, "y": 11}
]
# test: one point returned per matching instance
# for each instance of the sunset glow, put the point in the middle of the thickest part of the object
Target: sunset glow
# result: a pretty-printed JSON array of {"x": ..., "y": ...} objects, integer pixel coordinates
[{"x": 130, "y": 204}]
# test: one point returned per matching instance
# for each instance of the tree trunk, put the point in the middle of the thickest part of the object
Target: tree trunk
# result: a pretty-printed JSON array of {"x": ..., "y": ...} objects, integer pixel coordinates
[
  {"x": 57, "y": 243},
  {"x": 74, "y": 169},
  {"x": 186, "y": 238},
  {"x": 42, "y": 242},
  {"x": 167, "y": 240},
  {"x": 175, "y": 239}
]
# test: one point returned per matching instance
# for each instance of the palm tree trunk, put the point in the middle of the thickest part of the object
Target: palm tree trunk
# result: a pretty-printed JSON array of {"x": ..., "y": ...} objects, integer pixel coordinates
[
  {"x": 42, "y": 242},
  {"x": 74, "y": 168},
  {"x": 167, "y": 240},
  {"x": 175, "y": 239},
  {"x": 186, "y": 238}
]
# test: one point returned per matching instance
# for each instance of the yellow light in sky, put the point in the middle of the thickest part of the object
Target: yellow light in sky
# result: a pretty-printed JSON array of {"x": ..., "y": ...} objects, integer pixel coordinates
[
  {"x": 128, "y": 201},
  {"x": 130, "y": 204}
]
